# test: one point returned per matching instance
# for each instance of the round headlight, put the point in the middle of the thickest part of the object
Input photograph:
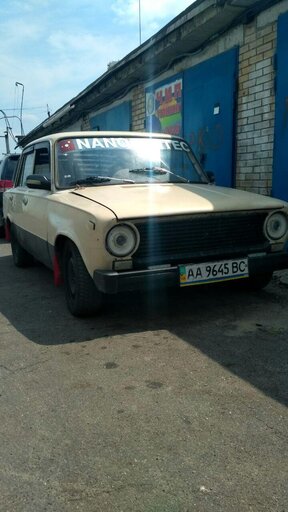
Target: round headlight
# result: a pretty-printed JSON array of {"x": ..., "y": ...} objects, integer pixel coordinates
[
  {"x": 121, "y": 240},
  {"x": 276, "y": 225}
]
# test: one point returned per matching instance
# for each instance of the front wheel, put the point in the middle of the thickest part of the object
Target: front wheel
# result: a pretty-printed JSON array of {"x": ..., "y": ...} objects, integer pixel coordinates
[{"x": 82, "y": 296}]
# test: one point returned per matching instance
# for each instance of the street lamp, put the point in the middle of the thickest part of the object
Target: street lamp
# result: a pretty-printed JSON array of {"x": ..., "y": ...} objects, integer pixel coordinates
[{"x": 21, "y": 108}]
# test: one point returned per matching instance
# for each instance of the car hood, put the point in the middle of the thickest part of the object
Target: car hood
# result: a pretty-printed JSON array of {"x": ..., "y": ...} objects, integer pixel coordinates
[{"x": 142, "y": 200}]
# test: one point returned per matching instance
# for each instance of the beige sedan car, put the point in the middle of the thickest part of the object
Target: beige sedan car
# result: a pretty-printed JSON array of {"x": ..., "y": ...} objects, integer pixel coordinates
[{"x": 121, "y": 211}]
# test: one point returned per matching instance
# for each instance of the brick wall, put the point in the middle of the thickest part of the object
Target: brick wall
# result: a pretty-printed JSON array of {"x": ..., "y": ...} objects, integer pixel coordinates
[
  {"x": 138, "y": 109},
  {"x": 85, "y": 123},
  {"x": 256, "y": 109}
]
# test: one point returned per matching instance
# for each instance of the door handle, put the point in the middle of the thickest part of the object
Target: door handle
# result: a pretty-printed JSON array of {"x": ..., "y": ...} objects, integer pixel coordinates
[{"x": 25, "y": 200}]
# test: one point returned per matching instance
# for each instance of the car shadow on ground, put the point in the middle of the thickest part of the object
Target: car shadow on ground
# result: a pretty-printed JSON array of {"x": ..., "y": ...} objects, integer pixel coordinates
[{"x": 245, "y": 333}]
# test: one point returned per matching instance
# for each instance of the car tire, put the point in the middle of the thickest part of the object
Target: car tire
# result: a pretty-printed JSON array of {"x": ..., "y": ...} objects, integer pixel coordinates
[
  {"x": 21, "y": 257},
  {"x": 82, "y": 297}
]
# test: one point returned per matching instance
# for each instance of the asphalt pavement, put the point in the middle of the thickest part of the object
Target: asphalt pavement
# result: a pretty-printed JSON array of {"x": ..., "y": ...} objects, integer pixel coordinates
[{"x": 168, "y": 402}]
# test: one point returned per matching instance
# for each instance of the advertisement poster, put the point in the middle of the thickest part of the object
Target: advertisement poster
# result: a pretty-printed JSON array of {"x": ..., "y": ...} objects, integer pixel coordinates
[{"x": 164, "y": 108}]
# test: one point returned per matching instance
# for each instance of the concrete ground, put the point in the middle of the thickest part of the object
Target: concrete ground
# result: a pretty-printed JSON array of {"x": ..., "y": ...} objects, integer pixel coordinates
[{"x": 163, "y": 403}]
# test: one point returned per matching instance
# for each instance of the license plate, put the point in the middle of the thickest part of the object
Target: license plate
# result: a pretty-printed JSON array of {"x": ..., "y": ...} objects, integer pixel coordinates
[{"x": 201, "y": 273}]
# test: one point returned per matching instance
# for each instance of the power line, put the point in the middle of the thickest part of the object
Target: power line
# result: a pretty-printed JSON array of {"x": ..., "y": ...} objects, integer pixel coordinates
[{"x": 29, "y": 108}]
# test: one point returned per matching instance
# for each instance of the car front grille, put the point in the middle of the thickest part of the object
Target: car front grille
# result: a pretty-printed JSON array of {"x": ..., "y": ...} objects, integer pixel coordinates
[{"x": 198, "y": 237}]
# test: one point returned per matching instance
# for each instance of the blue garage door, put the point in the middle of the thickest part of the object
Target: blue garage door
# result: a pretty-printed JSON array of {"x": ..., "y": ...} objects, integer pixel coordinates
[
  {"x": 209, "y": 113},
  {"x": 116, "y": 118},
  {"x": 280, "y": 169}
]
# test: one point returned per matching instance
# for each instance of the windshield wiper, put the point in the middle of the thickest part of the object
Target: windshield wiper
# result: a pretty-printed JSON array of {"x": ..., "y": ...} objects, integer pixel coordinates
[
  {"x": 157, "y": 170},
  {"x": 91, "y": 180}
]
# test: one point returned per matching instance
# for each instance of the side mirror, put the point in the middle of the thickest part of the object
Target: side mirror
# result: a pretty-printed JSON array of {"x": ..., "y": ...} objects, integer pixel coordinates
[
  {"x": 211, "y": 176},
  {"x": 38, "y": 181}
]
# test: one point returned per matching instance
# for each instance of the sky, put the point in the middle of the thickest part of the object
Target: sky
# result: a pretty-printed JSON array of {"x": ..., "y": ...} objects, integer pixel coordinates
[{"x": 57, "y": 48}]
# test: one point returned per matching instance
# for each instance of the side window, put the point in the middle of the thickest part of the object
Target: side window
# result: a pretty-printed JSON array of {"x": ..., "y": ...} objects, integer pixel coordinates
[
  {"x": 42, "y": 161},
  {"x": 27, "y": 167},
  {"x": 35, "y": 161}
]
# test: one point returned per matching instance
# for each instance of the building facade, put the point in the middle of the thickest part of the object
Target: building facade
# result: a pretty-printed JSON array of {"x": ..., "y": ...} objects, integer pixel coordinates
[{"x": 216, "y": 75}]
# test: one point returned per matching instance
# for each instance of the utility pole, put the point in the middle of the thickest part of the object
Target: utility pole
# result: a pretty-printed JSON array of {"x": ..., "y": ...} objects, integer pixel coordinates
[
  {"x": 9, "y": 130},
  {"x": 6, "y": 134}
]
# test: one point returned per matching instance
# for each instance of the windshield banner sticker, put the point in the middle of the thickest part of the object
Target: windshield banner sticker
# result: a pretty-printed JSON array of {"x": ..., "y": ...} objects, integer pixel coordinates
[{"x": 121, "y": 143}]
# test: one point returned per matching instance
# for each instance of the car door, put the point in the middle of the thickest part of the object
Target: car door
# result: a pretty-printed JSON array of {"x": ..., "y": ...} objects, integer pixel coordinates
[{"x": 30, "y": 205}]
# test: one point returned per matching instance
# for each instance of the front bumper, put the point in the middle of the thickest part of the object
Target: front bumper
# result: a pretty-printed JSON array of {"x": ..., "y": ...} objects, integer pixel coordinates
[{"x": 132, "y": 280}]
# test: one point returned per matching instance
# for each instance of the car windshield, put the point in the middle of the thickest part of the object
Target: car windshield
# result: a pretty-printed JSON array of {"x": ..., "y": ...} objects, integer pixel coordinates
[{"x": 95, "y": 161}]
